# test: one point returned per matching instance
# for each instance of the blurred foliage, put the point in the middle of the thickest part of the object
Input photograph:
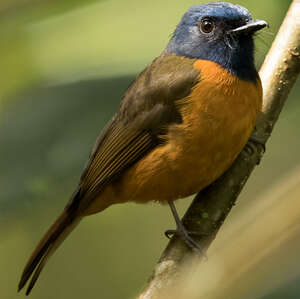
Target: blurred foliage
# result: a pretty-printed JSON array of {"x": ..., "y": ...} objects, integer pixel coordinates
[
  {"x": 20, "y": 10},
  {"x": 64, "y": 67},
  {"x": 104, "y": 38}
]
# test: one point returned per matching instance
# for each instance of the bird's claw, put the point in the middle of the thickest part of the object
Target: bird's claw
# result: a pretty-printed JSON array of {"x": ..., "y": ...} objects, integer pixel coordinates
[
  {"x": 252, "y": 146},
  {"x": 256, "y": 140},
  {"x": 170, "y": 232},
  {"x": 185, "y": 235}
]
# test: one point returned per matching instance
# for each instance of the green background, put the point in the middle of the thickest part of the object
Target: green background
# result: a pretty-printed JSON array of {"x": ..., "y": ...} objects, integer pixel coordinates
[{"x": 64, "y": 66}]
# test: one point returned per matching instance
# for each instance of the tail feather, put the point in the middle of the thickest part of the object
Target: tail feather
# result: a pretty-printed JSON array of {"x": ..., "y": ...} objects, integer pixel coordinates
[
  {"x": 59, "y": 230},
  {"x": 37, "y": 272}
]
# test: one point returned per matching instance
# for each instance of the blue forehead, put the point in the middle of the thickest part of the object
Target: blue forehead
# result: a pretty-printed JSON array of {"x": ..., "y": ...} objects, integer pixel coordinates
[{"x": 223, "y": 10}]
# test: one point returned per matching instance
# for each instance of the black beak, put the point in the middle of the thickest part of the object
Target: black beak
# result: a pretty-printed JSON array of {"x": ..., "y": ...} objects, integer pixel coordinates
[{"x": 250, "y": 27}]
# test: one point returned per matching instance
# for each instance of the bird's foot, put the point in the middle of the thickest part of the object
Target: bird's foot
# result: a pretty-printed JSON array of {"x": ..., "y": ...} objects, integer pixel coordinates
[
  {"x": 183, "y": 233},
  {"x": 251, "y": 146},
  {"x": 259, "y": 141},
  {"x": 170, "y": 232},
  {"x": 186, "y": 237}
]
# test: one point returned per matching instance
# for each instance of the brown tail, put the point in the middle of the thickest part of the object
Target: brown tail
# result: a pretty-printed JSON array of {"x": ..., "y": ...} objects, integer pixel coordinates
[{"x": 59, "y": 230}]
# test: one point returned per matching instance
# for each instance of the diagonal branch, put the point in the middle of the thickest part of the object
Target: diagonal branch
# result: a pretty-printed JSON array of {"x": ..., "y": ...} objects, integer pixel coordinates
[{"x": 211, "y": 206}]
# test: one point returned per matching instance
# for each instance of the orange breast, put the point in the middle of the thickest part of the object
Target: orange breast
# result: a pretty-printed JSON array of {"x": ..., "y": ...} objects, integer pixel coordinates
[{"x": 218, "y": 118}]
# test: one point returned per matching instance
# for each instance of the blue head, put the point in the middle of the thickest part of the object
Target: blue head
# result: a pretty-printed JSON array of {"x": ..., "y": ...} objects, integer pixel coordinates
[{"x": 221, "y": 32}]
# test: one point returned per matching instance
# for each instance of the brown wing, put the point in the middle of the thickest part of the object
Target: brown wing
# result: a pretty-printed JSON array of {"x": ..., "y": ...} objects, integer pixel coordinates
[
  {"x": 148, "y": 107},
  {"x": 123, "y": 146}
]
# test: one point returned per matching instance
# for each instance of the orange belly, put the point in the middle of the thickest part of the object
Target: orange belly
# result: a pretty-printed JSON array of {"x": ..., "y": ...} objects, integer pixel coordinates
[{"x": 218, "y": 118}]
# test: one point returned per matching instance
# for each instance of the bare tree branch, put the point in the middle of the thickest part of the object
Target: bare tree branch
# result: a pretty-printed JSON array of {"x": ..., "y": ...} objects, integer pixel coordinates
[{"x": 212, "y": 205}]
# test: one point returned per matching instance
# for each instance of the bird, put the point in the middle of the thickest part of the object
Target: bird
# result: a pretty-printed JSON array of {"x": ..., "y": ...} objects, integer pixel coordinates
[{"x": 179, "y": 126}]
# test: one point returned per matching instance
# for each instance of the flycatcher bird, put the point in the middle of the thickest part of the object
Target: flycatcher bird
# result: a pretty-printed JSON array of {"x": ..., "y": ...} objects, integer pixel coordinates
[{"x": 179, "y": 126}]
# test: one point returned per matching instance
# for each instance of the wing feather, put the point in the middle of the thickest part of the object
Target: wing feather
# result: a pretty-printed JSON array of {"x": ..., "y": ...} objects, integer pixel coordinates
[
  {"x": 124, "y": 157},
  {"x": 118, "y": 139},
  {"x": 149, "y": 106}
]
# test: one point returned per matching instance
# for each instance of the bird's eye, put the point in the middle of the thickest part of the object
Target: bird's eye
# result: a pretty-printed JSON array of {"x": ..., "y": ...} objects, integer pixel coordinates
[{"x": 207, "y": 25}]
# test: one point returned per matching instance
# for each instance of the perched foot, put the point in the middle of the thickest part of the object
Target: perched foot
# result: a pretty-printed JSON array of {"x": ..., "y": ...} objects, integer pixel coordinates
[
  {"x": 170, "y": 232},
  {"x": 183, "y": 233},
  {"x": 252, "y": 144},
  {"x": 250, "y": 147},
  {"x": 258, "y": 141},
  {"x": 189, "y": 241}
]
